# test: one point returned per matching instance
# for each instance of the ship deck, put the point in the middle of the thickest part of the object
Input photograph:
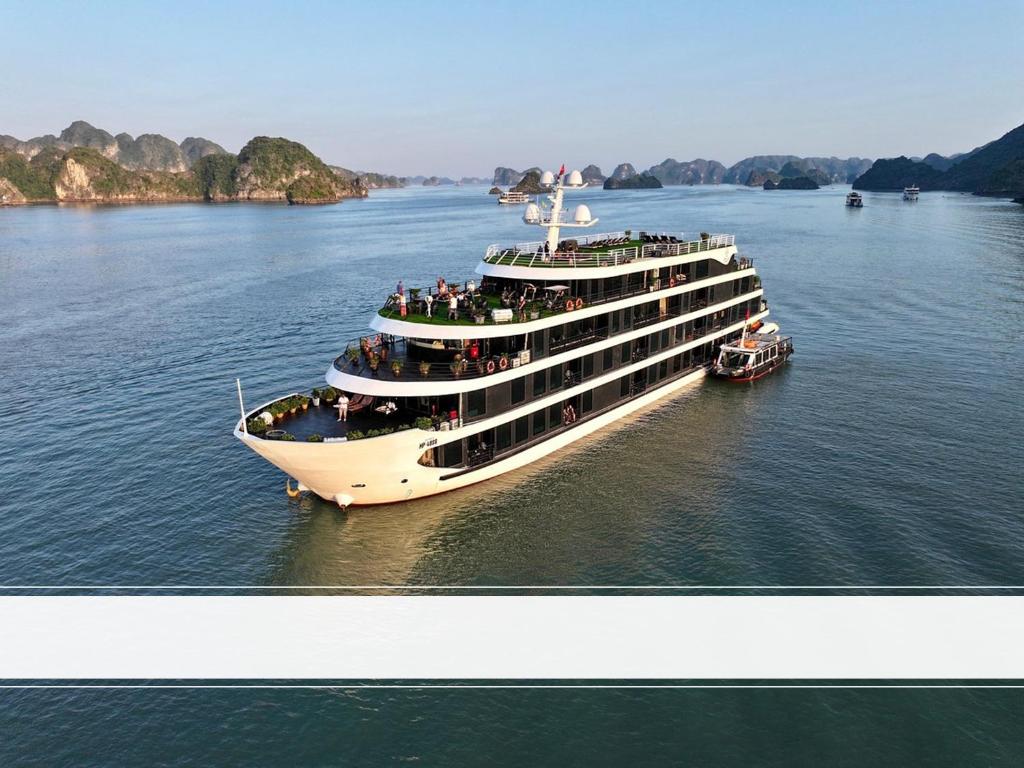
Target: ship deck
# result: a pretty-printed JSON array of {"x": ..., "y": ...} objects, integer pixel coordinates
[{"x": 323, "y": 420}]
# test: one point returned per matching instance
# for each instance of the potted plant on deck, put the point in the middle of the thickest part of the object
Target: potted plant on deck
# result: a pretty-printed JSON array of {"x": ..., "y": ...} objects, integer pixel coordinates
[
  {"x": 534, "y": 311},
  {"x": 353, "y": 356},
  {"x": 316, "y": 397}
]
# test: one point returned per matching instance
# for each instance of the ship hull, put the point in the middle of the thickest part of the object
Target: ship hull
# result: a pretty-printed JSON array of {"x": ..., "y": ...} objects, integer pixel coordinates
[{"x": 386, "y": 469}]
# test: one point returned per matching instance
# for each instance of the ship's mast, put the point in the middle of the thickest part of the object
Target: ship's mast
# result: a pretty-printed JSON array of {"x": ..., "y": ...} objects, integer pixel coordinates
[{"x": 553, "y": 218}]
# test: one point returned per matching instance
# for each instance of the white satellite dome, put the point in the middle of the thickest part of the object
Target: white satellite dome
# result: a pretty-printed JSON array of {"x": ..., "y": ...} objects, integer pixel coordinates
[
  {"x": 547, "y": 178},
  {"x": 532, "y": 214},
  {"x": 575, "y": 179},
  {"x": 582, "y": 215}
]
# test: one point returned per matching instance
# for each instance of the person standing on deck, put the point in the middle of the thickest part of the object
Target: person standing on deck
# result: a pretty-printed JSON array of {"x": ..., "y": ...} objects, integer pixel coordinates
[
  {"x": 342, "y": 407},
  {"x": 453, "y": 307},
  {"x": 429, "y": 301},
  {"x": 400, "y": 288},
  {"x": 401, "y": 303}
]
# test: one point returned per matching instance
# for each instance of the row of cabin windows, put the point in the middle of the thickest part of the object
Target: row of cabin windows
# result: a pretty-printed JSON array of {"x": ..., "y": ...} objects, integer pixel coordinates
[
  {"x": 516, "y": 433},
  {"x": 553, "y": 340},
  {"x": 603, "y": 289},
  {"x": 508, "y": 395}
]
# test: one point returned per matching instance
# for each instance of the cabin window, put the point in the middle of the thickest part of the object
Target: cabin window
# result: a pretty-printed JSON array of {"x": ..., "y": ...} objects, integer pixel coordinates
[
  {"x": 518, "y": 389},
  {"x": 522, "y": 429},
  {"x": 588, "y": 401},
  {"x": 452, "y": 454},
  {"x": 539, "y": 382},
  {"x": 476, "y": 403},
  {"x": 537, "y": 344},
  {"x": 663, "y": 369},
  {"x": 588, "y": 366},
  {"x": 503, "y": 434},
  {"x": 555, "y": 415},
  {"x": 538, "y": 422},
  {"x": 624, "y": 386},
  {"x": 608, "y": 355},
  {"x": 555, "y": 377},
  {"x": 624, "y": 352},
  {"x": 652, "y": 374},
  {"x": 664, "y": 338},
  {"x": 677, "y": 361},
  {"x": 702, "y": 269}
]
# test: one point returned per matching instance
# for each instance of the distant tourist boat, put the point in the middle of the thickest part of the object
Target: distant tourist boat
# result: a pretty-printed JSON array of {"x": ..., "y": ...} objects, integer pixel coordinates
[
  {"x": 911, "y": 193},
  {"x": 854, "y": 200},
  {"x": 753, "y": 356},
  {"x": 513, "y": 198},
  {"x": 462, "y": 382}
]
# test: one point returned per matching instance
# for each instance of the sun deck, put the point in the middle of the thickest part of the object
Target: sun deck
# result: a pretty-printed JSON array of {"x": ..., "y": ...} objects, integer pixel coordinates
[
  {"x": 605, "y": 250},
  {"x": 322, "y": 420}
]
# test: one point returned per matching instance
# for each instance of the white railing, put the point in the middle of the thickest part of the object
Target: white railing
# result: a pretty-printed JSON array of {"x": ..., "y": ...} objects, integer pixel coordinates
[{"x": 533, "y": 254}]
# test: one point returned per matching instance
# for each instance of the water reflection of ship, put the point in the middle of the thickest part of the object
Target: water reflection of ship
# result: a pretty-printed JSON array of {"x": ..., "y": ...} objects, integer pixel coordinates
[{"x": 576, "y": 517}]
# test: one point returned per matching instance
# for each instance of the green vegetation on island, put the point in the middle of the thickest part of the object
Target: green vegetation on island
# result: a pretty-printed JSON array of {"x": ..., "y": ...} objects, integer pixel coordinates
[{"x": 79, "y": 167}]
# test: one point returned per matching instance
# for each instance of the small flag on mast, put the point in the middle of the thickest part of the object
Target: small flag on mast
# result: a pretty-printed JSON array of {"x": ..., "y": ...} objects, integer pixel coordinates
[{"x": 561, "y": 170}]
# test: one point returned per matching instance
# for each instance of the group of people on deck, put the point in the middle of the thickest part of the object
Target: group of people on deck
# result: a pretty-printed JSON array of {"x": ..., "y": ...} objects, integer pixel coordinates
[{"x": 454, "y": 300}]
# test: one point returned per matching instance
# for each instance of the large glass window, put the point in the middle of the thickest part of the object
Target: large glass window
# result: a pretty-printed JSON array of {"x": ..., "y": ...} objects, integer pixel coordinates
[
  {"x": 538, "y": 422},
  {"x": 588, "y": 401},
  {"x": 539, "y": 382},
  {"x": 554, "y": 377},
  {"x": 588, "y": 366},
  {"x": 555, "y": 416},
  {"x": 624, "y": 386},
  {"x": 452, "y": 454},
  {"x": 503, "y": 434},
  {"x": 609, "y": 353},
  {"x": 522, "y": 429},
  {"x": 518, "y": 390},
  {"x": 476, "y": 403}
]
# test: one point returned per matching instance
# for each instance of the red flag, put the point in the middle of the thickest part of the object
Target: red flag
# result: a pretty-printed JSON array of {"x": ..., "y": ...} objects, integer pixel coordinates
[{"x": 561, "y": 170}]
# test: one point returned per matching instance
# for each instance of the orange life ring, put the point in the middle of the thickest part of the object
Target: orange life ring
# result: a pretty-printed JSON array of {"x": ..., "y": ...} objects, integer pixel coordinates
[
  {"x": 569, "y": 305},
  {"x": 503, "y": 363},
  {"x": 490, "y": 366},
  {"x": 579, "y": 303}
]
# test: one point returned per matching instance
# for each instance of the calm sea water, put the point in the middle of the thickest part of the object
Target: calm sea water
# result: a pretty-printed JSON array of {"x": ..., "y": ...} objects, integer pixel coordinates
[{"x": 888, "y": 452}]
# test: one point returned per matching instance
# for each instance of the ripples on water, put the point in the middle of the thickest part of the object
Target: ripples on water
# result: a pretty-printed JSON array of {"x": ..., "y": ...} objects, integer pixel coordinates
[{"x": 888, "y": 452}]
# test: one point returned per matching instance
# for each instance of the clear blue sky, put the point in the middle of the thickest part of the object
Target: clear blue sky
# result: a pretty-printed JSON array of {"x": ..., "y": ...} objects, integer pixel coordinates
[{"x": 455, "y": 88}]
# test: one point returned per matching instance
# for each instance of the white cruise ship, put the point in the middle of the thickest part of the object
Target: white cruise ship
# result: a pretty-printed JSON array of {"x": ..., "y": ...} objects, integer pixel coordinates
[
  {"x": 549, "y": 342},
  {"x": 911, "y": 193}
]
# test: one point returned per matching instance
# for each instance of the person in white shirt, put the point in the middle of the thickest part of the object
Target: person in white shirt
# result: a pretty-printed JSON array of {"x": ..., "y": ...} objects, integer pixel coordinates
[
  {"x": 342, "y": 407},
  {"x": 453, "y": 307},
  {"x": 429, "y": 301}
]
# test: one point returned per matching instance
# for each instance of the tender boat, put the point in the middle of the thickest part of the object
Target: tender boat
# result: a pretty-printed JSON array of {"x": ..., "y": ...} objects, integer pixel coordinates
[
  {"x": 911, "y": 193},
  {"x": 551, "y": 341},
  {"x": 513, "y": 198},
  {"x": 753, "y": 356},
  {"x": 854, "y": 200}
]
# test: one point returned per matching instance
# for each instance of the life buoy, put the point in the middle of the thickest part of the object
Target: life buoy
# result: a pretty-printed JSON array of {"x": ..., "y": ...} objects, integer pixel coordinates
[
  {"x": 569, "y": 305},
  {"x": 503, "y": 363},
  {"x": 292, "y": 492},
  {"x": 579, "y": 303},
  {"x": 490, "y": 366}
]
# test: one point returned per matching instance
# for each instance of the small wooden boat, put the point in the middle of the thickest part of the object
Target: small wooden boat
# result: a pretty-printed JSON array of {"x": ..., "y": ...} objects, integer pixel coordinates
[{"x": 752, "y": 357}]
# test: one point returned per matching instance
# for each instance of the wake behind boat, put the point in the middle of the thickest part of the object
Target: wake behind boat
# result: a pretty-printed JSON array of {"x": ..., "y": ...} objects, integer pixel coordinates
[{"x": 460, "y": 382}]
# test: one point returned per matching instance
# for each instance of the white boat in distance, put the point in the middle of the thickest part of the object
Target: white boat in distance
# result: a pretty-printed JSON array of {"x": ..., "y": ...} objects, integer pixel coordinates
[
  {"x": 460, "y": 382},
  {"x": 854, "y": 200},
  {"x": 911, "y": 193},
  {"x": 513, "y": 198}
]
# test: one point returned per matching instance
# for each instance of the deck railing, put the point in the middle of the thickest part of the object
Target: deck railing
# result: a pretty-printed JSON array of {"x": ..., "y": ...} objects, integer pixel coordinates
[{"x": 534, "y": 254}]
